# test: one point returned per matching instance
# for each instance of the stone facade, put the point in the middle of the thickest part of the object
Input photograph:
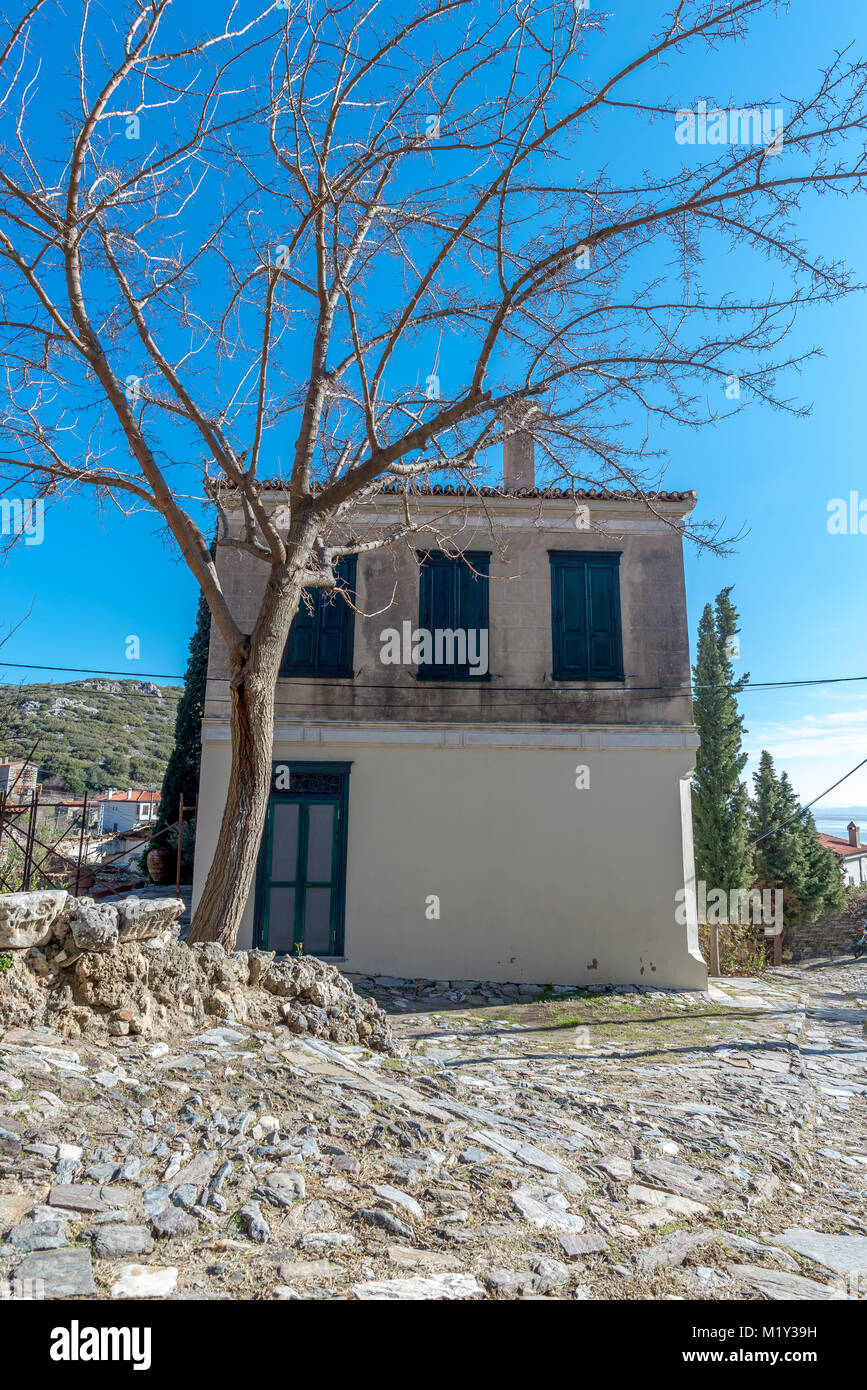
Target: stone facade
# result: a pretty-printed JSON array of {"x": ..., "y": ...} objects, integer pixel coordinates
[
  {"x": 827, "y": 936},
  {"x": 518, "y": 532}
]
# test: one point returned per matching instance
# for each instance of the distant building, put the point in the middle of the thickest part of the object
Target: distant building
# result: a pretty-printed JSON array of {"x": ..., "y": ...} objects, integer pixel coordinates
[
  {"x": 18, "y": 779},
  {"x": 122, "y": 851},
  {"x": 126, "y": 810},
  {"x": 67, "y": 813},
  {"x": 850, "y": 854}
]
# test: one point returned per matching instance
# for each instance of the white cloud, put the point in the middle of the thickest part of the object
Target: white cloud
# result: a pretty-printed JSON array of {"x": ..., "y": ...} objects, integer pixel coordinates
[{"x": 816, "y": 750}]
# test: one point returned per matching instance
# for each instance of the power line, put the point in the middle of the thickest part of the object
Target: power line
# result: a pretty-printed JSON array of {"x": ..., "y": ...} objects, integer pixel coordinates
[
  {"x": 797, "y": 815},
  {"x": 492, "y": 690},
  {"x": 89, "y": 671},
  {"x": 595, "y": 689},
  {"x": 778, "y": 685}
]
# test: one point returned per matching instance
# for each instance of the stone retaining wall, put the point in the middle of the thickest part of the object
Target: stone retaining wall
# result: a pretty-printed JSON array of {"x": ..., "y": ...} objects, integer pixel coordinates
[
  {"x": 115, "y": 968},
  {"x": 827, "y": 936}
]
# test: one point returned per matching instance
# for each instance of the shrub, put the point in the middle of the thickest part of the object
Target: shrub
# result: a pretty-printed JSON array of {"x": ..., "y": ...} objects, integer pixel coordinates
[{"x": 742, "y": 949}]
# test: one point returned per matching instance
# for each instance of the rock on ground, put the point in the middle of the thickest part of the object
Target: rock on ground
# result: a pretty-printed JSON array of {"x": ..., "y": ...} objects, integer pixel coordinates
[
  {"x": 117, "y": 969},
  {"x": 487, "y": 1158},
  {"x": 440, "y": 1286},
  {"x": 26, "y": 919},
  {"x": 144, "y": 1281},
  {"x": 57, "y": 1273}
]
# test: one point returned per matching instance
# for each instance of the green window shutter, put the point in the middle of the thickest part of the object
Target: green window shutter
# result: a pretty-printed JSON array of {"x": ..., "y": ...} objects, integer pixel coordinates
[
  {"x": 300, "y": 646},
  {"x": 425, "y": 597},
  {"x": 442, "y": 591},
  {"x": 585, "y": 615},
  {"x": 453, "y": 596},
  {"x": 573, "y": 618},
  {"x": 602, "y": 624},
  {"x": 437, "y": 605},
  {"x": 321, "y": 641},
  {"x": 332, "y": 611},
  {"x": 336, "y": 624},
  {"x": 473, "y": 590}
]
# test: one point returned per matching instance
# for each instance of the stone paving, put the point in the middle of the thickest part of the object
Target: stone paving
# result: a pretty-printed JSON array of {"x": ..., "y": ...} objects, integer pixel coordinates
[{"x": 617, "y": 1145}]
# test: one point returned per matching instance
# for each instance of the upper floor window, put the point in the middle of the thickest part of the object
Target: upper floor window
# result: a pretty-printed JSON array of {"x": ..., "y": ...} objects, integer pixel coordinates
[
  {"x": 453, "y": 615},
  {"x": 585, "y": 615},
  {"x": 322, "y": 632}
]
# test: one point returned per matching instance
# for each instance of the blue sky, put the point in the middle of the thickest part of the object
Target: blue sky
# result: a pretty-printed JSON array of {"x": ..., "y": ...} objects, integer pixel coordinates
[{"x": 98, "y": 579}]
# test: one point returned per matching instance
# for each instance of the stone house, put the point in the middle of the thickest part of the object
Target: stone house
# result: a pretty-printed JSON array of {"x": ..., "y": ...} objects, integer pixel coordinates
[{"x": 480, "y": 768}]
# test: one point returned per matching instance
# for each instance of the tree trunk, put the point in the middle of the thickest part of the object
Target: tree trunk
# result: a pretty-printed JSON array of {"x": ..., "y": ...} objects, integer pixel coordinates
[
  {"x": 230, "y": 878},
  {"x": 253, "y": 687}
]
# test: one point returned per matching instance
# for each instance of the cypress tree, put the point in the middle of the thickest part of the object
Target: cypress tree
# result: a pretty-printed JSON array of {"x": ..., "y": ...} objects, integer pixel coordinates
[
  {"x": 822, "y": 889},
  {"x": 719, "y": 798},
  {"x": 790, "y": 848},
  {"x": 182, "y": 769},
  {"x": 790, "y": 854},
  {"x": 770, "y": 853}
]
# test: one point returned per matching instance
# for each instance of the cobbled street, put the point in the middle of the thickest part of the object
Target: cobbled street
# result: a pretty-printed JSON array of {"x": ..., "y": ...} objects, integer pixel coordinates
[{"x": 620, "y": 1145}]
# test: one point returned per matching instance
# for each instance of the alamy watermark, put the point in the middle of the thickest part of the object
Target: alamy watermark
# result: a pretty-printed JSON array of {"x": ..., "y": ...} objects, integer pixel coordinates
[
  {"x": 23, "y": 516},
  {"x": 21, "y": 1289},
  {"x": 737, "y": 907},
  {"x": 442, "y": 646},
  {"x": 847, "y": 516},
  {"x": 750, "y": 125},
  {"x": 77, "y": 1343}
]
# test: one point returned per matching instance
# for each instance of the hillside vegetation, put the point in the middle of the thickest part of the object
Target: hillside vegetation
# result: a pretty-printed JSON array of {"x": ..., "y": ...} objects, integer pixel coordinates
[{"x": 93, "y": 733}]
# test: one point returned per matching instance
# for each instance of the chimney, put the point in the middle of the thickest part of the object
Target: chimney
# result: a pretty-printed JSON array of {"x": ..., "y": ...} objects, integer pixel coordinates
[
  {"x": 129, "y": 794},
  {"x": 519, "y": 464},
  {"x": 854, "y": 834}
]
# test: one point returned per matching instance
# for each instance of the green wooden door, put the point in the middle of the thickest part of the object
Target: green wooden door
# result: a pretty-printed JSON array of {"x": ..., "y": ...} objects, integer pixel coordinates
[{"x": 303, "y": 888}]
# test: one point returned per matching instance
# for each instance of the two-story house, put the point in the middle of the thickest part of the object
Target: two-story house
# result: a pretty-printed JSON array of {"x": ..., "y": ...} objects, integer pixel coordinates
[
  {"x": 18, "y": 779},
  {"x": 482, "y": 771},
  {"x": 127, "y": 810}
]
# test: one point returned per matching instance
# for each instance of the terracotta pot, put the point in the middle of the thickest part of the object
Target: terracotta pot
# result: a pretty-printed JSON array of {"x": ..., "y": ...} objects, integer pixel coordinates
[
  {"x": 81, "y": 881},
  {"x": 161, "y": 863}
]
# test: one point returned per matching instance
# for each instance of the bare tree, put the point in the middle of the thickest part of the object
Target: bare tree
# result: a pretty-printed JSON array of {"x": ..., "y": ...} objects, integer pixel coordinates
[{"x": 339, "y": 245}]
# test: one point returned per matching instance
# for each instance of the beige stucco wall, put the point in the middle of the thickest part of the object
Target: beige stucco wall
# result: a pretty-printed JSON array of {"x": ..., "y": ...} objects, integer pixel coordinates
[{"x": 538, "y": 881}]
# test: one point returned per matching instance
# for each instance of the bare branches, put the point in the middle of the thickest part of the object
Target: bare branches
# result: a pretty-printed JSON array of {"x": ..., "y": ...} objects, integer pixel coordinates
[{"x": 339, "y": 245}]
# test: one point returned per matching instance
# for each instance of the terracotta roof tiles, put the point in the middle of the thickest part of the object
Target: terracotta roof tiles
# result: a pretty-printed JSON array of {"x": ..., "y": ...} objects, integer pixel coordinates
[{"x": 841, "y": 848}]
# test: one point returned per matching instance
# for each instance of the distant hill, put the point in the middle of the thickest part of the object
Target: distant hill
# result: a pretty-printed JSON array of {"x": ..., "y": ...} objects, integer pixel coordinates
[{"x": 94, "y": 733}]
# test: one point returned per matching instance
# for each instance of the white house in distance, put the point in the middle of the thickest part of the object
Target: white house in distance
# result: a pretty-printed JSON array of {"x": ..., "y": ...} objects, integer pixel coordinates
[
  {"x": 18, "y": 779},
  {"x": 126, "y": 810},
  {"x": 514, "y": 806},
  {"x": 850, "y": 854}
]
